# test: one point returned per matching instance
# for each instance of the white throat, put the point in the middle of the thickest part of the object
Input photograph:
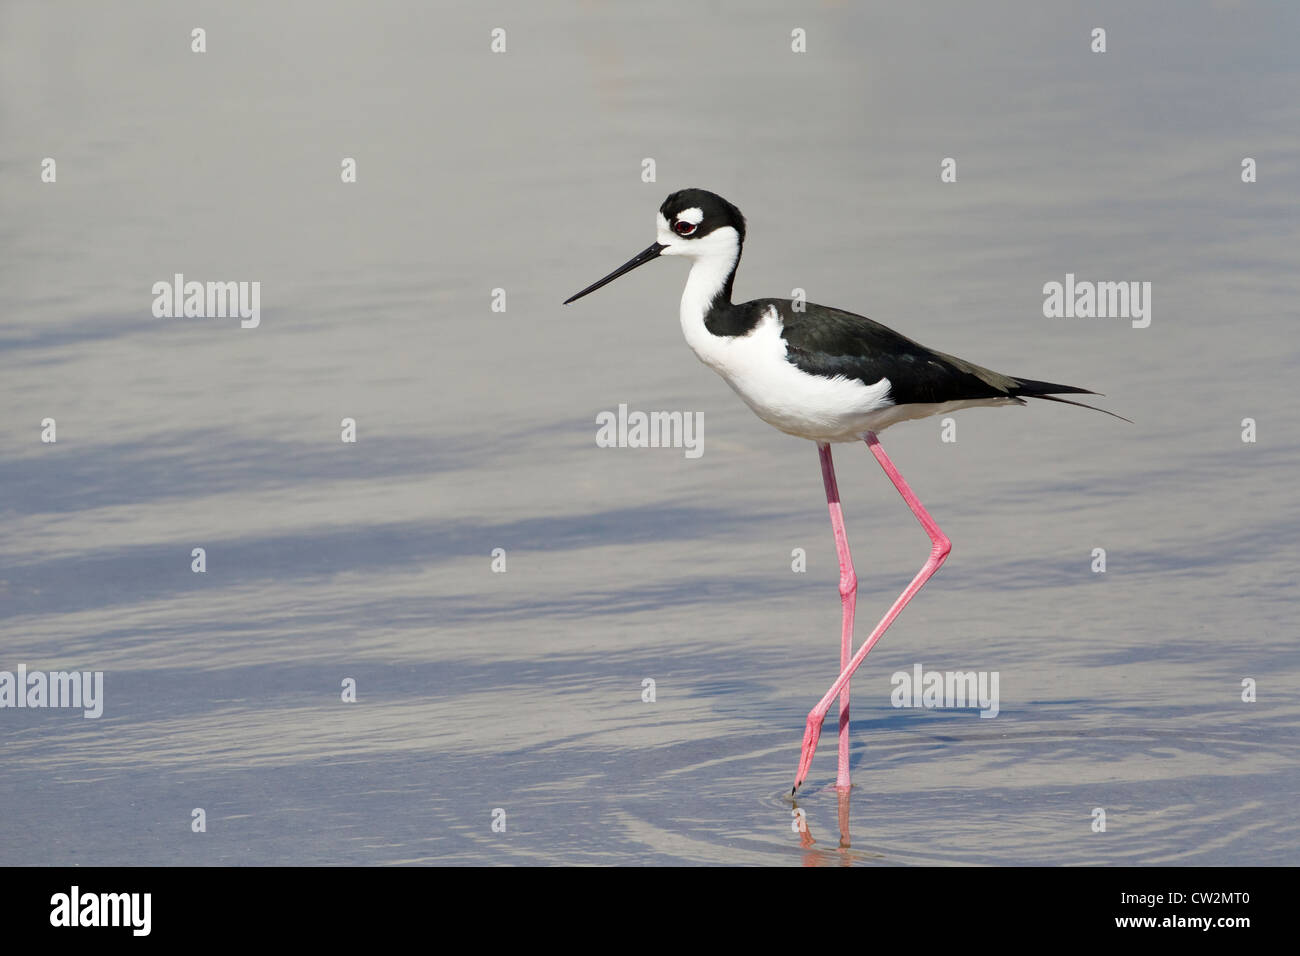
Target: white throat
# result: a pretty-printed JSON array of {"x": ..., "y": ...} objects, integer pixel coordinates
[
  {"x": 707, "y": 278},
  {"x": 713, "y": 258}
]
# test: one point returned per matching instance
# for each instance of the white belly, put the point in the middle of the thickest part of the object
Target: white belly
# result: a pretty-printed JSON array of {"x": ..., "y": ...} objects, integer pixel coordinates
[{"x": 809, "y": 406}]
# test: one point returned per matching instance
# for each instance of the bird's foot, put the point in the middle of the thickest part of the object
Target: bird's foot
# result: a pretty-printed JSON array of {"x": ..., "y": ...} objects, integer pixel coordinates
[{"x": 812, "y": 733}]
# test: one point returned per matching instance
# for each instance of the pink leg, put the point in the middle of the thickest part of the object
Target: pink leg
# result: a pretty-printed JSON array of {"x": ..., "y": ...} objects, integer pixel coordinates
[
  {"x": 848, "y": 601},
  {"x": 940, "y": 546}
]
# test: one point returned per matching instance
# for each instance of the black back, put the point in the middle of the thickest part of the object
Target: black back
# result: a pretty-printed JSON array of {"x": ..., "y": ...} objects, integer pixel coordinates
[{"x": 824, "y": 341}]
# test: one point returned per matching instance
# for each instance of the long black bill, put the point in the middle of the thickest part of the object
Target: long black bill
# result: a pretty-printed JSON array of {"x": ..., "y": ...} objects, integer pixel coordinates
[{"x": 638, "y": 260}]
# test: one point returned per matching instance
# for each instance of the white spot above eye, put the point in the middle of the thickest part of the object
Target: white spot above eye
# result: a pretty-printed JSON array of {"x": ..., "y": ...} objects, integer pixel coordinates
[{"x": 693, "y": 215}]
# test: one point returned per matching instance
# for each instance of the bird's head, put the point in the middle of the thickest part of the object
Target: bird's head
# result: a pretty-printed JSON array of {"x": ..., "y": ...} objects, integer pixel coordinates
[{"x": 691, "y": 222}]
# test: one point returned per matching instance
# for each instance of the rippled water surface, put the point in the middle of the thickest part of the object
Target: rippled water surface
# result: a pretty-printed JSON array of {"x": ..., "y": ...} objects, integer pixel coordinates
[{"x": 522, "y": 690}]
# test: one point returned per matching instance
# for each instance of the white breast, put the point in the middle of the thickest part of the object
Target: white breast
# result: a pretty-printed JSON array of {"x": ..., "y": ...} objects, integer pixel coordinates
[{"x": 755, "y": 365}]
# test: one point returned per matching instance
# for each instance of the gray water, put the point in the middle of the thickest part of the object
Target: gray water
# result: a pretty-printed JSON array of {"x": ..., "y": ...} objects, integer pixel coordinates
[{"x": 522, "y": 691}]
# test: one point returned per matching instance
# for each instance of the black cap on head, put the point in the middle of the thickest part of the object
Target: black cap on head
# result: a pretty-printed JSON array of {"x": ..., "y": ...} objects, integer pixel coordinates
[{"x": 716, "y": 212}]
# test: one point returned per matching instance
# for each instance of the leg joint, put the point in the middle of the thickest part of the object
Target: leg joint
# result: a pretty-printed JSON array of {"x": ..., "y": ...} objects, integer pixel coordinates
[{"x": 942, "y": 546}]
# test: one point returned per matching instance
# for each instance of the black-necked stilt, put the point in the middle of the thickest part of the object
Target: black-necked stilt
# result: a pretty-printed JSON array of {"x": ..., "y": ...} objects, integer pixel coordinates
[{"x": 822, "y": 374}]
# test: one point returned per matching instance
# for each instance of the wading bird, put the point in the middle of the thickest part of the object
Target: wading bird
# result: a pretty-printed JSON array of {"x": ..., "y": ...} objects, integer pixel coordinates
[{"x": 825, "y": 375}]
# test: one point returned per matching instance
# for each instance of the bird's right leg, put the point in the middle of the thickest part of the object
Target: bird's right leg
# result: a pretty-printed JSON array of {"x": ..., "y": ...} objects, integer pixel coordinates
[{"x": 848, "y": 601}]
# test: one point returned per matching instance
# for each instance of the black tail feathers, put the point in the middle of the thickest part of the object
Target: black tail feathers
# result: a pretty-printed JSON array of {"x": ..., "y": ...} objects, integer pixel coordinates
[{"x": 1031, "y": 388}]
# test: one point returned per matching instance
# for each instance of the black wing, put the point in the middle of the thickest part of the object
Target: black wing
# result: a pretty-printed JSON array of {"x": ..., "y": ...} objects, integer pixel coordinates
[{"x": 825, "y": 341}]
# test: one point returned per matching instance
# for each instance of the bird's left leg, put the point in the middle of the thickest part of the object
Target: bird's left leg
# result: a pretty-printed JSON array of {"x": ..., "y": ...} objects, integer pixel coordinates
[
  {"x": 940, "y": 546},
  {"x": 848, "y": 601}
]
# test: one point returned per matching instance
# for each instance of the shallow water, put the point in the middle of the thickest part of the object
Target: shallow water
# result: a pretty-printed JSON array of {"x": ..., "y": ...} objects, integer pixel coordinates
[{"x": 523, "y": 690}]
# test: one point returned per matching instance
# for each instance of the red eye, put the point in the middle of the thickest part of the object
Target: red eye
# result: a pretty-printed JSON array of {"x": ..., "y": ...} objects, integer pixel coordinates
[{"x": 683, "y": 228}]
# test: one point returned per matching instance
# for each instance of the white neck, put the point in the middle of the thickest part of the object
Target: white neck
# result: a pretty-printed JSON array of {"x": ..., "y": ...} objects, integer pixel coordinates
[
  {"x": 708, "y": 276},
  {"x": 715, "y": 257}
]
